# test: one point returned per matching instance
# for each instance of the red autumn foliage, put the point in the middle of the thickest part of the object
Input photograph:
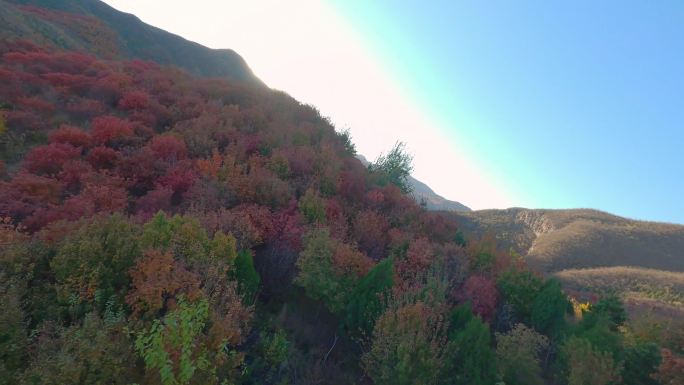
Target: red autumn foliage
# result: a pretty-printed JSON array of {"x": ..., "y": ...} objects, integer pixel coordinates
[
  {"x": 336, "y": 219},
  {"x": 153, "y": 201},
  {"x": 351, "y": 186},
  {"x": 28, "y": 120},
  {"x": 104, "y": 198},
  {"x": 84, "y": 108},
  {"x": 36, "y": 188},
  {"x": 74, "y": 83},
  {"x": 178, "y": 178},
  {"x": 107, "y": 129},
  {"x": 102, "y": 157},
  {"x": 49, "y": 159},
  {"x": 288, "y": 227},
  {"x": 168, "y": 148},
  {"x": 250, "y": 224},
  {"x": 36, "y": 104},
  {"x": 245, "y": 232},
  {"x": 370, "y": 231},
  {"x": 375, "y": 198},
  {"x": 482, "y": 294},
  {"x": 419, "y": 256},
  {"x": 261, "y": 168},
  {"x": 134, "y": 100},
  {"x": 42, "y": 217},
  {"x": 259, "y": 216},
  {"x": 157, "y": 281},
  {"x": 111, "y": 85},
  {"x": 73, "y": 173},
  {"x": 139, "y": 169},
  {"x": 70, "y": 135},
  {"x": 301, "y": 160},
  {"x": 437, "y": 226}
]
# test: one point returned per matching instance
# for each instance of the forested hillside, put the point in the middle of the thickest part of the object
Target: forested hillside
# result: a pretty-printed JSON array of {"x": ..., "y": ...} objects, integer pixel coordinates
[{"x": 162, "y": 228}]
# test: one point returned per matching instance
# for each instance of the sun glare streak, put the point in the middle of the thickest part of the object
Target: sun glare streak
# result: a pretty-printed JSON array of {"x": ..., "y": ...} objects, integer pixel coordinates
[{"x": 308, "y": 50}]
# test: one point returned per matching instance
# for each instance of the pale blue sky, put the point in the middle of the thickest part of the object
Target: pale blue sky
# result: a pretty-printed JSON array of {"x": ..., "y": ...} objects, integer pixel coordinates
[{"x": 568, "y": 104}]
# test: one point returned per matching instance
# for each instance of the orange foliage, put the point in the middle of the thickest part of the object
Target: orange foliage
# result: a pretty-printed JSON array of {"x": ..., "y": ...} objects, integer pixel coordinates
[
  {"x": 210, "y": 167},
  {"x": 348, "y": 260},
  {"x": 157, "y": 280}
]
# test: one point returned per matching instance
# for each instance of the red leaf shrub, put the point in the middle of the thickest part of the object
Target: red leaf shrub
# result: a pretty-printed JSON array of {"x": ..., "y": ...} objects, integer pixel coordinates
[
  {"x": 370, "y": 231},
  {"x": 153, "y": 201},
  {"x": 70, "y": 135},
  {"x": 168, "y": 148},
  {"x": 83, "y": 108},
  {"x": 74, "y": 172},
  {"x": 134, "y": 100},
  {"x": 102, "y": 157},
  {"x": 104, "y": 198},
  {"x": 178, "y": 178},
  {"x": 48, "y": 160},
  {"x": 109, "y": 128},
  {"x": 482, "y": 294}
]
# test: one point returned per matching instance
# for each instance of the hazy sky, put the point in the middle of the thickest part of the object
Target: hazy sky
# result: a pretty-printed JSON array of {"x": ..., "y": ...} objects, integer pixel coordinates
[{"x": 538, "y": 103}]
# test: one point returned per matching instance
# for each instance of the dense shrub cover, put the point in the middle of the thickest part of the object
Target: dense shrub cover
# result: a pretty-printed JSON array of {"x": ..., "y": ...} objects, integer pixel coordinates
[{"x": 159, "y": 228}]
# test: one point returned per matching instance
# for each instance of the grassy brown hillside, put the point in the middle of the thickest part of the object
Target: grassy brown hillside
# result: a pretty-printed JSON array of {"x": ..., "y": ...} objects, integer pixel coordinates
[
  {"x": 555, "y": 240},
  {"x": 593, "y": 252},
  {"x": 656, "y": 292}
]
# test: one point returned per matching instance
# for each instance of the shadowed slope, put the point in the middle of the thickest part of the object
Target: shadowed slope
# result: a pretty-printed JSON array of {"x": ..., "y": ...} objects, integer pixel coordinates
[{"x": 94, "y": 27}]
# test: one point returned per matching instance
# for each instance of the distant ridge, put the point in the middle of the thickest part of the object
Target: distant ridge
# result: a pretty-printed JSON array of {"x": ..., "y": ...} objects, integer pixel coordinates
[
  {"x": 433, "y": 201},
  {"x": 423, "y": 194},
  {"x": 99, "y": 29}
]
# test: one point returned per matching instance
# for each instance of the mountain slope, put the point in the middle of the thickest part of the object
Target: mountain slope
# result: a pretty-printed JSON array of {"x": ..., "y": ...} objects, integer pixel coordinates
[
  {"x": 147, "y": 204},
  {"x": 94, "y": 27}
]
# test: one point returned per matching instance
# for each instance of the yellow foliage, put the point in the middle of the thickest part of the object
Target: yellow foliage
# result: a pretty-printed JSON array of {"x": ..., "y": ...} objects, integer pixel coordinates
[
  {"x": 3, "y": 126},
  {"x": 579, "y": 308},
  {"x": 224, "y": 246}
]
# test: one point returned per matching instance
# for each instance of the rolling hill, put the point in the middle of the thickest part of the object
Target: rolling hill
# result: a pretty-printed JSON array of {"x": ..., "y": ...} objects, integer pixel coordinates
[
  {"x": 594, "y": 252},
  {"x": 554, "y": 240}
]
